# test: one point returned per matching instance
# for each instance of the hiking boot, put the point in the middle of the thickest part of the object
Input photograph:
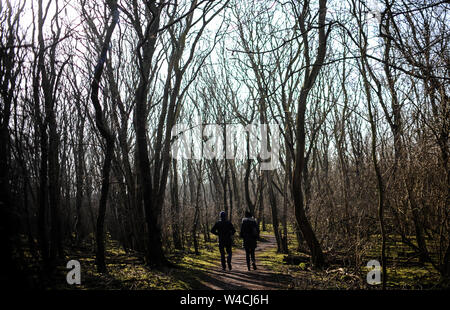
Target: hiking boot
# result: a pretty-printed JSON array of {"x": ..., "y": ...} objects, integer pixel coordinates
[
  {"x": 248, "y": 267},
  {"x": 254, "y": 267}
]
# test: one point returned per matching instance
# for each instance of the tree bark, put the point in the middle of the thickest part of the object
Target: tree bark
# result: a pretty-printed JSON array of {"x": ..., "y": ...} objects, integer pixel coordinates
[
  {"x": 145, "y": 50},
  {"x": 109, "y": 140},
  {"x": 308, "y": 234}
]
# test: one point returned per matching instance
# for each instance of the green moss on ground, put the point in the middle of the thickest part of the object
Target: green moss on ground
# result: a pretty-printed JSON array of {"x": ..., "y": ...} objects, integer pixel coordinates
[
  {"x": 129, "y": 271},
  {"x": 404, "y": 270}
]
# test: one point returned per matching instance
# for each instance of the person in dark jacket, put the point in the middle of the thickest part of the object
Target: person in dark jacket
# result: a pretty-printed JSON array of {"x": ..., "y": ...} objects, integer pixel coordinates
[
  {"x": 250, "y": 234},
  {"x": 225, "y": 230}
]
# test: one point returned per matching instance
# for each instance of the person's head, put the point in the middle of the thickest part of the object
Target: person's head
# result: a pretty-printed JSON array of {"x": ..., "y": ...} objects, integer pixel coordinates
[
  {"x": 248, "y": 214},
  {"x": 223, "y": 215}
]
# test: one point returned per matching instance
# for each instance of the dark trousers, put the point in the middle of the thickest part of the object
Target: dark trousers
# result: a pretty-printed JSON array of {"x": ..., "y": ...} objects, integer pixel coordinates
[
  {"x": 250, "y": 253},
  {"x": 222, "y": 249}
]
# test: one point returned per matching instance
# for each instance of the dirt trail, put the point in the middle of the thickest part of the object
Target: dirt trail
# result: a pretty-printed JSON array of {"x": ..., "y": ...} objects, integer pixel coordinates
[{"x": 240, "y": 278}]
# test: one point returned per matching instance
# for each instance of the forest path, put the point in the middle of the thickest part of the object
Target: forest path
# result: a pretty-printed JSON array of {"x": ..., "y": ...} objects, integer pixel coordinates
[{"x": 239, "y": 278}]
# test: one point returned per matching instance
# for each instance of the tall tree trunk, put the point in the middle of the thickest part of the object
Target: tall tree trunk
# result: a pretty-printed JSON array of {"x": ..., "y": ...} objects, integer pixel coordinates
[
  {"x": 48, "y": 85},
  {"x": 396, "y": 126},
  {"x": 10, "y": 274},
  {"x": 43, "y": 190},
  {"x": 318, "y": 259},
  {"x": 175, "y": 207},
  {"x": 79, "y": 162},
  {"x": 261, "y": 203},
  {"x": 284, "y": 238},
  {"x": 274, "y": 209},
  {"x": 380, "y": 190},
  {"x": 380, "y": 186},
  {"x": 145, "y": 50},
  {"x": 225, "y": 179},
  {"x": 109, "y": 140},
  {"x": 250, "y": 204},
  {"x": 195, "y": 202}
]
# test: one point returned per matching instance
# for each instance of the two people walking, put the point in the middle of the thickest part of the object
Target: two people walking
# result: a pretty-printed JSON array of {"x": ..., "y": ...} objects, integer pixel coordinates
[{"x": 225, "y": 230}]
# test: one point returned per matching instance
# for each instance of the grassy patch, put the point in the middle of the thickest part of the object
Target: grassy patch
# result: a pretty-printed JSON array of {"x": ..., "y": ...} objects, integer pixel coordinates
[
  {"x": 404, "y": 270},
  {"x": 128, "y": 271}
]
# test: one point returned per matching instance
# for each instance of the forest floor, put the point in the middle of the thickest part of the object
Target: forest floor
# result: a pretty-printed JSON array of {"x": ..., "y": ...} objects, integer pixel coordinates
[
  {"x": 128, "y": 271},
  {"x": 203, "y": 271},
  {"x": 191, "y": 271}
]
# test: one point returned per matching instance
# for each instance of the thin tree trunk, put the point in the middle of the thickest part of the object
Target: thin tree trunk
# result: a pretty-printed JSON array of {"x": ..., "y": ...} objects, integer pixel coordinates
[
  {"x": 79, "y": 162},
  {"x": 380, "y": 188},
  {"x": 318, "y": 259},
  {"x": 109, "y": 139},
  {"x": 175, "y": 207}
]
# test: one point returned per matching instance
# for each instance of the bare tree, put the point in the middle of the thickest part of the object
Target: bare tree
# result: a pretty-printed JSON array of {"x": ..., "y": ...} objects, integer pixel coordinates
[{"x": 105, "y": 132}]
